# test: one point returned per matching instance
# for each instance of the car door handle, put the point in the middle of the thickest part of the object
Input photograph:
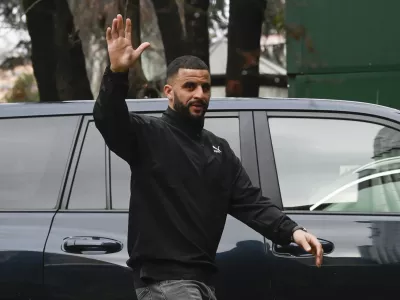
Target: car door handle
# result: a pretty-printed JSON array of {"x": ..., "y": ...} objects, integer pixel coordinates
[
  {"x": 295, "y": 250},
  {"x": 94, "y": 245}
]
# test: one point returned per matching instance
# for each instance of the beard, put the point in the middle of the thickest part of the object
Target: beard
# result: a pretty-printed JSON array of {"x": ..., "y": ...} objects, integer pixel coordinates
[{"x": 185, "y": 109}]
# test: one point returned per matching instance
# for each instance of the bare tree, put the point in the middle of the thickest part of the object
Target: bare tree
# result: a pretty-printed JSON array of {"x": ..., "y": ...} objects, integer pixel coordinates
[
  {"x": 92, "y": 18},
  {"x": 71, "y": 76},
  {"x": 244, "y": 31},
  {"x": 44, "y": 57},
  {"x": 196, "y": 24},
  {"x": 137, "y": 79},
  {"x": 57, "y": 56},
  {"x": 171, "y": 28}
]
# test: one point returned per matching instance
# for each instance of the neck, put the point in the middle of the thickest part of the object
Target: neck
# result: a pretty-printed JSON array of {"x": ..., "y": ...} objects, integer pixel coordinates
[{"x": 192, "y": 126}]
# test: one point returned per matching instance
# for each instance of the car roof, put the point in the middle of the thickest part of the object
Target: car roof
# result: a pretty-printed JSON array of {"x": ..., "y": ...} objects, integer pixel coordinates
[{"x": 78, "y": 107}]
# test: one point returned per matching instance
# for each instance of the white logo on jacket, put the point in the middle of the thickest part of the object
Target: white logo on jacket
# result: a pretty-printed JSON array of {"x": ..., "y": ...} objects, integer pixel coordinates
[{"x": 216, "y": 149}]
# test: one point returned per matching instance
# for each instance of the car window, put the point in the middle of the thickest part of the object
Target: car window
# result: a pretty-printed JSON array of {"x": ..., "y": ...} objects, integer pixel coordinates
[
  {"x": 34, "y": 154},
  {"x": 120, "y": 182},
  {"x": 337, "y": 165},
  {"x": 89, "y": 186},
  {"x": 227, "y": 128}
]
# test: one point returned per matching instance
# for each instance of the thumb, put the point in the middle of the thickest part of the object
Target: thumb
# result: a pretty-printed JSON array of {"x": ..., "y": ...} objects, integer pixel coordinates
[{"x": 141, "y": 48}]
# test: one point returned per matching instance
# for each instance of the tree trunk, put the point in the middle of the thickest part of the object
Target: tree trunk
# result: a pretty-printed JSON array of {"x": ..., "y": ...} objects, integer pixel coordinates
[
  {"x": 170, "y": 27},
  {"x": 244, "y": 32},
  {"x": 72, "y": 79},
  {"x": 137, "y": 79},
  {"x": 39, "y": 19},
  {"x": 196, "y": 24},
  {"x": 57, "y": 56}
]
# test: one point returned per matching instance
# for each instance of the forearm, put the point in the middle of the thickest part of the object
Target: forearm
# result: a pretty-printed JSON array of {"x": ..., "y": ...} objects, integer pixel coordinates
[
  {"x": 111, "y": 114},
  {"x": 257, "y": 211},
  {"x": 263, "y": 216}
]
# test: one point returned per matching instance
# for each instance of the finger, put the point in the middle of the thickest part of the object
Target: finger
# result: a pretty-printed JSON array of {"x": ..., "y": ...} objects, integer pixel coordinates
[
  {"x": 318, "y": 259},
  {"x": 114, "y": 30},
  {"x": 128, "y": 30},
  {"x": 319, "y": 255},
  {"x": 317, "y": 250},
  {"x": 141, "y": 48},
  {"x": 108, "y": 34},
  {"x": 121, "y": 32},
  {"x": 305, "y": 245}
]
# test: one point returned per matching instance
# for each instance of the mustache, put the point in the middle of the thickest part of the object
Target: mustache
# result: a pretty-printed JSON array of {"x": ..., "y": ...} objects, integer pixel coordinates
[{"x": 197, "y": 102}]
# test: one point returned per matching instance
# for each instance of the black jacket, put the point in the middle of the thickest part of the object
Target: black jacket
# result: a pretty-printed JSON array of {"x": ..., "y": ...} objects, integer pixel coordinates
[{"x": 181, "y": 189}]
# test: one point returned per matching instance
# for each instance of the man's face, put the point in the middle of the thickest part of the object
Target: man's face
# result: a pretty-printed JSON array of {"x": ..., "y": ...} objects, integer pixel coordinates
[{"x": 189, "y": 92}]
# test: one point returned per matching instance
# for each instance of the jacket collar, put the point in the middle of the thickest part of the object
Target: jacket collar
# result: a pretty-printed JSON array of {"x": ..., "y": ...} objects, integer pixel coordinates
[{"x": 192, "y": 127}]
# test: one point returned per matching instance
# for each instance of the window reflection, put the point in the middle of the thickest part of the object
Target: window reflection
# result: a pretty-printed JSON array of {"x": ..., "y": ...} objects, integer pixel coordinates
[{"x": 337, "y": 165}]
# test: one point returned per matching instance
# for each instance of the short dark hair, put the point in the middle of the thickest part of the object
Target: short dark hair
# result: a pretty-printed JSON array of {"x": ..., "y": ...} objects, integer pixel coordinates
[{"x": 185, "y": 62}]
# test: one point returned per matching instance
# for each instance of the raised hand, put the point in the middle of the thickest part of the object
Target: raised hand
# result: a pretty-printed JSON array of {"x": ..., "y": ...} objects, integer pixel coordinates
[{"x": 119, "y": 41}]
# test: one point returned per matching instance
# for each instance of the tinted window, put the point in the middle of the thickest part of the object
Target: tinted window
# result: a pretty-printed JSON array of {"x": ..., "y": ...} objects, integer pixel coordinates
[
  {"x": 227, "y": 128},
  {"x": 120, "y": 182},
  {"x": 89, "y": 187},
  {"x": 337, "y": 165},
  {"x": 34, "y": 154}
]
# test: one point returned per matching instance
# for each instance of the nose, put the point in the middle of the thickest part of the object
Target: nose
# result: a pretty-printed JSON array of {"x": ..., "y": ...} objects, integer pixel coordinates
[{"x": 199, "y": 92}]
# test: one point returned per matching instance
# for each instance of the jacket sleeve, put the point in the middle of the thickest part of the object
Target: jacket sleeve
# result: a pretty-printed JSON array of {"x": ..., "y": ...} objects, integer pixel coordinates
[
  {"x": 257, "y": 211},
  {"x": 112, "y": 118}
]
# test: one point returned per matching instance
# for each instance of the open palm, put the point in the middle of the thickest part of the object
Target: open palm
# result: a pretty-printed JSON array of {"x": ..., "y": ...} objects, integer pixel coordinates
[{"x": 119, "y": 42}]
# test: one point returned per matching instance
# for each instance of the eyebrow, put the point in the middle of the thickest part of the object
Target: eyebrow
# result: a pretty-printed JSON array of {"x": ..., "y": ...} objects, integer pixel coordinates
[{"x": 206, "y": 84}]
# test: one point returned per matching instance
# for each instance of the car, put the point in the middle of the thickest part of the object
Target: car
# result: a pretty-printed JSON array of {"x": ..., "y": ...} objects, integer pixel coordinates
[{"x": 331, "y": 165}]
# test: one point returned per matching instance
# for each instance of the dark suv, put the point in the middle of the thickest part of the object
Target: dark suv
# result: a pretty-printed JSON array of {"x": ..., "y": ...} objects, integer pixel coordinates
[{"x": 333, "y": 166}]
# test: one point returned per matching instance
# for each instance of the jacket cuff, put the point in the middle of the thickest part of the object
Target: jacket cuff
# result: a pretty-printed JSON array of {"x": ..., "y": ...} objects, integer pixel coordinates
[
  {"x": 286, "y": 231},
  {"x": 116, "y": 77}
]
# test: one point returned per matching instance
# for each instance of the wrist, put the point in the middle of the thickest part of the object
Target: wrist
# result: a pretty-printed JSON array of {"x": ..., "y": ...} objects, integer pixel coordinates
[
  {"x": 295, "y": 229},
  {"x": 115, "y": 77},
  {"x": 118, "y": 69}
]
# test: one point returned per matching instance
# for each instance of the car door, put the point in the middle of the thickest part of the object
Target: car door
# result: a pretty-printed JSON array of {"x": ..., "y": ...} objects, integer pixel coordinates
[
  {"x": 34, "y": 155},
  {"x": 338, "y": 176},
  {"x": 86, "y": 252},
  {"x": 243, "y": 270},
  {"x": 85, "y": 255}
]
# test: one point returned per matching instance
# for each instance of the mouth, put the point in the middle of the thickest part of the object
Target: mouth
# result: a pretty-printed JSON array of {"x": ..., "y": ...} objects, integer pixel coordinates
[
  {"x": 197, "y": 108},
  {"x": 197, "y": 105}
]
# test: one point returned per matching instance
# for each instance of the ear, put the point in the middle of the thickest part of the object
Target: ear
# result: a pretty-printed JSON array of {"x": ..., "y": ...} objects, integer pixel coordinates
[{"x": 169, "y": 93}]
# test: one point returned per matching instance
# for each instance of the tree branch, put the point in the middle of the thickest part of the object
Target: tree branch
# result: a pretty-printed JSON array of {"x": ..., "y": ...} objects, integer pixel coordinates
[
  {"x": 126, "y": 9},
  {"x": 31, "y": 6}
]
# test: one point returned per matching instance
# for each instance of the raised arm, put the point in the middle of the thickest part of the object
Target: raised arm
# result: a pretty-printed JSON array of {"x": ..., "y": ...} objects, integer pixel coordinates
[{"x": 111, "y": 115}]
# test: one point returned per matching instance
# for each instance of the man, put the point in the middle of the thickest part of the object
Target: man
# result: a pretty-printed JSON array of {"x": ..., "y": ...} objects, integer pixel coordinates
[{"x": 181, "y": 190}]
